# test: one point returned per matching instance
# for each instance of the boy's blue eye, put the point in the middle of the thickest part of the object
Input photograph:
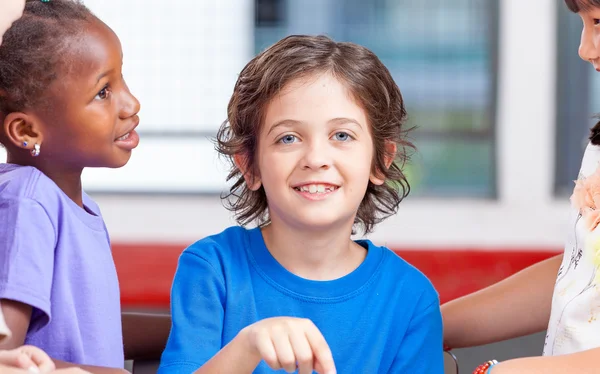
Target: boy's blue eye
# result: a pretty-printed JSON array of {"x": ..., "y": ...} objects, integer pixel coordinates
[
  {"x": 342, "y": 136},
  {"x": 288, "y": 139}
]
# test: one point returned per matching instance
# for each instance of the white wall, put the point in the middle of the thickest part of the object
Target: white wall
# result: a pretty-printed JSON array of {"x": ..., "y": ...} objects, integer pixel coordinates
[{"x": 526, "y": 214}]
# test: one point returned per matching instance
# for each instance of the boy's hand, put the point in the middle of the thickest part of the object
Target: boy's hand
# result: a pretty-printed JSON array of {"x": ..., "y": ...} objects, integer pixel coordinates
[
  {"x": 27, "y": 357},
  {"x": 291, "y": 343}
]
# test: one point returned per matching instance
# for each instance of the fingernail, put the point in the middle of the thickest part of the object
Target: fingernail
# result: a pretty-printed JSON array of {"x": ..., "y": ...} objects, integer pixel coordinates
[{"x": 33, "y": 369}]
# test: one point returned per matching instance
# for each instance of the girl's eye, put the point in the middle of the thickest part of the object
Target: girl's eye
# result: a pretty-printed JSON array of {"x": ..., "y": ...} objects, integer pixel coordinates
[
  {"x": 342, "y": 136},
  {"x": 103, "y": 94},
  {"x": 288, "y": 139},
  {"x": 596, "y": 21}
]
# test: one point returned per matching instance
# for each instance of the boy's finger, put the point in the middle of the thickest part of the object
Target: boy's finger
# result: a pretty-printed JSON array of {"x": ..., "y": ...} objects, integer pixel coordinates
[
  {"x": 321, "y": 351},
  {"x": 265, "y": 347},
  {"x": 302, "y": 352},
  {"x": 319, "y": 369},
  {"x": 283, "y": 348}
]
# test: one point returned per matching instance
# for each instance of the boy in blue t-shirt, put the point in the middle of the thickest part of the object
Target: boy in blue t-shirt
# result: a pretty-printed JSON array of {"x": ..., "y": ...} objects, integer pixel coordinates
[{"x": 316, "y": 134}]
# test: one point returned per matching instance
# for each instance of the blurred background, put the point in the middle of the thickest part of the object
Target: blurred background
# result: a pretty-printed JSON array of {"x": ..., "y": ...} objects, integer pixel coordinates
[{"x": 500, "y": 99}]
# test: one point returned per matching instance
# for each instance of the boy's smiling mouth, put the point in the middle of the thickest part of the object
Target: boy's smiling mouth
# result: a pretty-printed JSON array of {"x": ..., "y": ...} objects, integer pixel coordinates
[{"x": 315, "y": 189}]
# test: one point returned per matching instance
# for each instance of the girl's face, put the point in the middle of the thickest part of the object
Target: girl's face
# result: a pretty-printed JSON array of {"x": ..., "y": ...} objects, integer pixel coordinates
[
  {"x": 91, "y": 116},
  {"x": 589, "y": 48}
]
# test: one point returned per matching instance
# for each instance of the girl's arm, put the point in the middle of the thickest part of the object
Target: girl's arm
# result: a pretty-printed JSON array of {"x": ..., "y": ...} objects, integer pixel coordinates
[
  {"x": 17, "y": 316},
  {"x": 580, "y": 362},
  {"x": 517, "y": 306}
]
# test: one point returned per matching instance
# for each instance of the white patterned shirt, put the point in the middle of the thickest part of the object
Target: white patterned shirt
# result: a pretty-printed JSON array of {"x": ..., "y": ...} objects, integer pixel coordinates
[{"x": 575, "y": 319}]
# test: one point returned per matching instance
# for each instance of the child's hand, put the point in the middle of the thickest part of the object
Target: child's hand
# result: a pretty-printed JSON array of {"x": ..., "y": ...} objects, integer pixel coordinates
[
  {"x": 291, "y": 343},
  {"x": 27, "y": 357}
]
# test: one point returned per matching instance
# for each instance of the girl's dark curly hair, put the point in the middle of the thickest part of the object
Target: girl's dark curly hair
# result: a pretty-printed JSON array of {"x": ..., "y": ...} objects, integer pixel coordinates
[{"x": 32, "y": 54}]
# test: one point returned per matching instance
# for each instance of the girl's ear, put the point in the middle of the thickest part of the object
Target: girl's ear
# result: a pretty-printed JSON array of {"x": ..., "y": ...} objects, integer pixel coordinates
[
  {"x": 252, "y": 181},
  {"x": 22, "y": 130},
  {"x": 377, "y": 178}
]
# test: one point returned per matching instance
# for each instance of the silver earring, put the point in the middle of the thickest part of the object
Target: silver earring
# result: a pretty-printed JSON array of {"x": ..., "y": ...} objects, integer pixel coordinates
[{"x": 36, "y": 150}]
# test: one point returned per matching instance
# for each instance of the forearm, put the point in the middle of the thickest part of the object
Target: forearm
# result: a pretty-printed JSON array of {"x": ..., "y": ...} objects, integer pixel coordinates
[
  {"x": 516, "y": 306},
  {"x": 145, "y": 335},
  {"x": 92, "y": 369},
  {"x": 581, "y": 362},
  {"x": 235, "y": 358}
]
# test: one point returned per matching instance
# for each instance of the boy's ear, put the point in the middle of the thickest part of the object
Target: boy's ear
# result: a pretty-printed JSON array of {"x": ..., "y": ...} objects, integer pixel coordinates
[
  {"x": 22, "y": 130},
  {"x": 377, "y": 178},
  {"x": 252, "y": 181}
]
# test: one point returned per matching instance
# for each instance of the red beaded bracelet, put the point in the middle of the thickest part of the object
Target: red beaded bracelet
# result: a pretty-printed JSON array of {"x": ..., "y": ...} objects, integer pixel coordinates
[{"x": 483, "y": 368}]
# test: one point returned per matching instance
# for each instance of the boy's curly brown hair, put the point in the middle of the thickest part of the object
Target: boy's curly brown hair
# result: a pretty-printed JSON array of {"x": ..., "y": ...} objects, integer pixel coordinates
[
  {"x": 367, "y": 79},
  {"x": 577, "y": 6}
]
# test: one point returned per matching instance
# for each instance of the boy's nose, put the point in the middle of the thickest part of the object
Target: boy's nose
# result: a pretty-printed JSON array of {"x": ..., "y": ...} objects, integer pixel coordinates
[{"x": 316, "y": 157}]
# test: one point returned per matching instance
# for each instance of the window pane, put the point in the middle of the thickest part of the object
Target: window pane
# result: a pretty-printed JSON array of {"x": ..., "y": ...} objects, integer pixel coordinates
[
  {"x": 442, "y": 55},
  {"x": 447, "y": 167}
]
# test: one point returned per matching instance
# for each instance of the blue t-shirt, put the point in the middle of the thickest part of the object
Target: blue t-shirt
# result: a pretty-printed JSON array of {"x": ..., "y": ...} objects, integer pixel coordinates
[
  {"x": 56, "y": 257},
  {"x": 384, "y": 317}
]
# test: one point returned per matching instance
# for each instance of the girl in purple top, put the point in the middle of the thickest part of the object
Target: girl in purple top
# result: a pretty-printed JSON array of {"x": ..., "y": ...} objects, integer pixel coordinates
[
  {"x": 64, "y": 106},
  {"x": 30, "y": 358}
]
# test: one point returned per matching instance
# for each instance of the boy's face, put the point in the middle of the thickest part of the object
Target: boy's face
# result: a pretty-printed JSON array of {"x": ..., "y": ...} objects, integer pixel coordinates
[
  {"x": 314, "y": 156},
  {"x": 589, "y": 48}
]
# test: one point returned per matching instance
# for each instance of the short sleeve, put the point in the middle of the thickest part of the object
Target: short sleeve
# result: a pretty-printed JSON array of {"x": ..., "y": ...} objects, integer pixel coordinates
[
  {"x": 422, "y": 349},
  {"x": 197, "y": 313},
  {"x": 27, "y": 243}
]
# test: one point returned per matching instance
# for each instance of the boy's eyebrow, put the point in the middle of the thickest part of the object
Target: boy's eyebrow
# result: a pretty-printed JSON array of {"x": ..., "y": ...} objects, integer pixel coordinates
[
  {"x": 104, "y": 75},
  {"x": 334, "y": 121},
  {"x": 285, "y": 122},
  {"x": 342, "y": 120}
]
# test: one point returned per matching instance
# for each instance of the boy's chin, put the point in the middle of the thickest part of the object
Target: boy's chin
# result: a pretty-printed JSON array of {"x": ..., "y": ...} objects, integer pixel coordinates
[{"x": 323, "y": 222}]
